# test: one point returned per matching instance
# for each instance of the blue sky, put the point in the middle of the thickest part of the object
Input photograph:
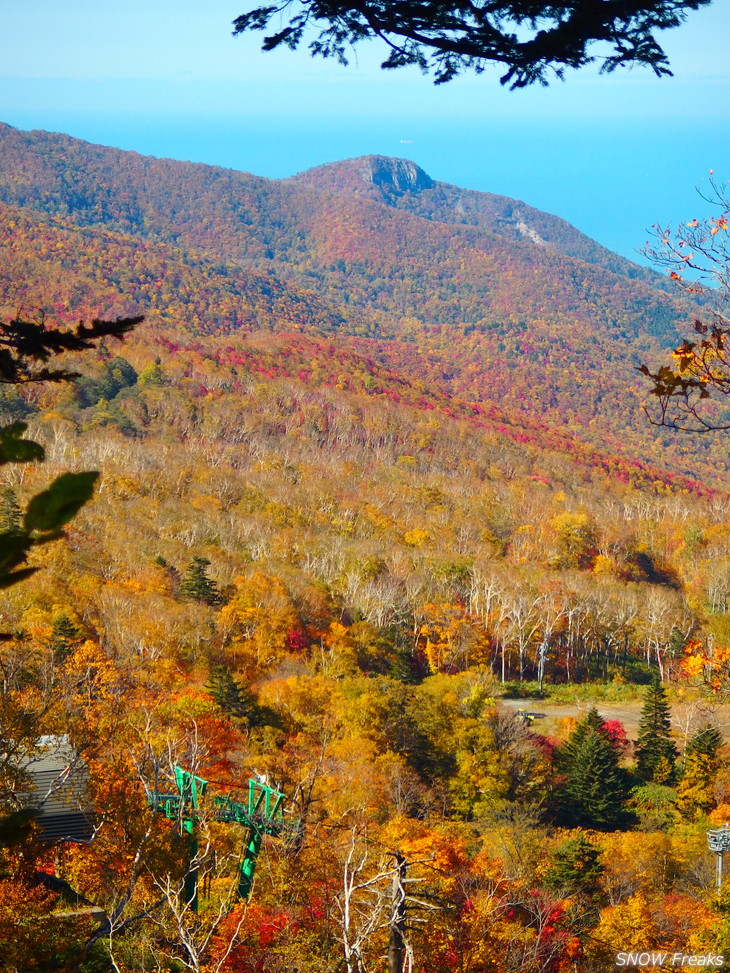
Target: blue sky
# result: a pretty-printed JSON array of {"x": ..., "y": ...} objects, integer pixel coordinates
[{"x": 612, "y": 154}]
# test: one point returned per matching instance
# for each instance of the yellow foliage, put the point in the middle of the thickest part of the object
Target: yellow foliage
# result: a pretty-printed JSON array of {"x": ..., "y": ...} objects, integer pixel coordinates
[
  {"x": 338, "y": 651},
  {"x": 720, "y": 815},
  {"x": 452, "y": 639},
  {"x": 695, "y": 794},
  {"x": 566, "y": 726},
  {"x": 306, "y": 701},
  {"x": 125, "y": 486},
  {"x": 256, "y": 622},
  {"x": 625, "y": 927},
  {"x": 377, "y": 517},
  {"x": 417, "y": 537},
  {"x": 708, "y": 665},
  {"x": 635, "y": 862},
  {"x": 445, "y": 853},
  {"x": 202, "y": 501},
  {"x": 604, "y": 565},
  {"x": 152, "y": 579}
]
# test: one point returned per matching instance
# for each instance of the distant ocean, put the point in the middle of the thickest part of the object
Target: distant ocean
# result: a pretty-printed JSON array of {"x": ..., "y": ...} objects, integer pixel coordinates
[{"x": 613, "y": 180}]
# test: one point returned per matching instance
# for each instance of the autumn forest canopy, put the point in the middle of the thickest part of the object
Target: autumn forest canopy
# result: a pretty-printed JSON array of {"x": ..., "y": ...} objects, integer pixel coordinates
[{"x": 381, "y": 525}]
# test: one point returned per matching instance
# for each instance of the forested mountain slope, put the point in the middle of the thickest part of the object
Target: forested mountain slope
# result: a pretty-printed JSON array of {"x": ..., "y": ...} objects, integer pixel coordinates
[
  {"x": 54, "y": 265},
  {"x": 404, "y": 185},
  {"x": 409, "y": 248},
  {"x": 371, "y": 461},
  {"x": 474, "y": 295}
]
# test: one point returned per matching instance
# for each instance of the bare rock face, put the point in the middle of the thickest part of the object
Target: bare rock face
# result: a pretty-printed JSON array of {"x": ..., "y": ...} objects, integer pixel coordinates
[
  {"x": 400, "y": 175},
  {"x": 391, "y": 177}
]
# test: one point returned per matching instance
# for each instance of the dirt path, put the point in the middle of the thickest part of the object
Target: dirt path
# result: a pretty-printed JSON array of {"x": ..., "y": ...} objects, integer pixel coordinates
[{"x": 686, "y": 717}]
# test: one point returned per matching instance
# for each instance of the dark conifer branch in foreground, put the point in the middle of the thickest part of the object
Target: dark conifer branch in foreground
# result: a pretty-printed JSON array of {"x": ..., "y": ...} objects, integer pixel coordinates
[
  {"x": 26, "y": 346},
  {"x": 533, "y": 41}
]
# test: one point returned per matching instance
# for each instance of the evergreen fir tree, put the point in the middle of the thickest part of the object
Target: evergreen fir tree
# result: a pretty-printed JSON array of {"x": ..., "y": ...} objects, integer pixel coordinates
[
  {"x": 235, "y": 700},
  {"x": 576, "y": 867},
  {"x": 197, "y": 586},
  {"x": 592, "y": 721},
  {"x": 565, "y": 756},
  {"x": 402, "y": 666},
  {"x": 695, "y": 792},
  {"x": 596, "y": 788},
  {"x": 707, "y": 740},
  {"x": 677, "y": 641},
  {"x": 65, "y": 637},
  {"x": 656, "y": 753}
]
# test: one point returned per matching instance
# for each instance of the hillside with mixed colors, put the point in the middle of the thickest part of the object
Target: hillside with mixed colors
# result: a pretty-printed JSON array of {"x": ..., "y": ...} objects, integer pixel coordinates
[
  {"x": 374, "y": 461},
  {"x": 476, "y": 295}
]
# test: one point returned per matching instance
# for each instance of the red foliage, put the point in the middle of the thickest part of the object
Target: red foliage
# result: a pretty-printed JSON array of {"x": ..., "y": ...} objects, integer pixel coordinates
[{"x": 614, "y": 730}]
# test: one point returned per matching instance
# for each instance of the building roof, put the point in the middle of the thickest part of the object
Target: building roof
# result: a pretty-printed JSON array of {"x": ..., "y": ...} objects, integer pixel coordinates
[{"x": 58, "y": 787}]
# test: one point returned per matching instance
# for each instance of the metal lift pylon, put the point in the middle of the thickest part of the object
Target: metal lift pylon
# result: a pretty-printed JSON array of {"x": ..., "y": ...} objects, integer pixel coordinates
[{"x": 262, "y": 814}]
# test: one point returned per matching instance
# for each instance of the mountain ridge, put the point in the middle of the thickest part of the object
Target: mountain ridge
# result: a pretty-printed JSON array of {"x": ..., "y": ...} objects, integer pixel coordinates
[
  {"x": 480, "y": 287},
  {"x": 61, "y": 152},
  {"x": 471, "y": 205}
]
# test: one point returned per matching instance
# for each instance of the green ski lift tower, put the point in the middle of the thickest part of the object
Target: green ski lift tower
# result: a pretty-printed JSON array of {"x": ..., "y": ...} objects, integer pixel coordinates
[{"x": 261, "y": 814}]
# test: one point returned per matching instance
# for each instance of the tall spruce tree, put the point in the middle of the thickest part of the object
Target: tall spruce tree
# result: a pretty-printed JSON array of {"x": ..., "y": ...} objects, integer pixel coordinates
[
  {"x": 234, "y": 699},
  {"x": 197, "y": 586},
  {"x": 656, "y": 754},
  {"x": 596, "y": 787},
  {"x": 576, "y": 867},
  {"x": 592, "y": 721}
]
